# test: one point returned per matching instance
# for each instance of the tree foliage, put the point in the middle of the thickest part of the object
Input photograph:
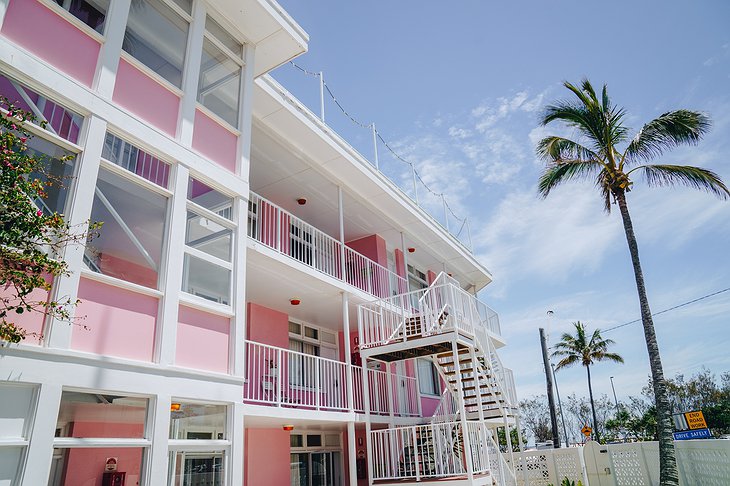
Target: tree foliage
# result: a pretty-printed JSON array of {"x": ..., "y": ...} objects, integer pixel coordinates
[{"x": 31, "y": 237}]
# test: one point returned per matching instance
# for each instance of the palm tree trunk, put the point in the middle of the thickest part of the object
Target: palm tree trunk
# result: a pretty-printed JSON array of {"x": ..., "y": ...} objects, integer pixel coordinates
[
  {"x": 668, "y": 473},
  {"x": 593, "y": 406}
]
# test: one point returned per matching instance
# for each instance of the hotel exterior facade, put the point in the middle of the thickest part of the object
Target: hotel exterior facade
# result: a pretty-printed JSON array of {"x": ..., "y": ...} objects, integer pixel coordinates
[{"x": 262, "y": 306}]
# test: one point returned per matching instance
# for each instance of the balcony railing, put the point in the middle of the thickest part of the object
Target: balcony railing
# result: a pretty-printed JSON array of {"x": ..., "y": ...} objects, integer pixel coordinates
[
  {"x": 283, "y": 378},
  {"x": 441, "y": 307},
  {"x": 388, "y": 391},
  {"x": 280, "y": 230}
]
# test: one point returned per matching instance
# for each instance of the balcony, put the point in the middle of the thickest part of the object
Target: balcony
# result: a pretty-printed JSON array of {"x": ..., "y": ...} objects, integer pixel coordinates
[
  {"x": 288, "y": 235},
  {"x": 283, "y": 378}
]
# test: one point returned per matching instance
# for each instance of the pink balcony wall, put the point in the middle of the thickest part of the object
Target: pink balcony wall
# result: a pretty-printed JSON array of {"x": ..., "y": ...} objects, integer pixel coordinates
[
  {"x": 114, "y": 321},
  {"x": 373, "y": 247},
  {"x": 202, "y": 340},
  {"x": 267, "y": 326},
  {"x": 146, "y": 97},
  {"x": 52, "y": 38},
  {"x": 267, "y": 460},
  {"x": 214, "y": 141}
]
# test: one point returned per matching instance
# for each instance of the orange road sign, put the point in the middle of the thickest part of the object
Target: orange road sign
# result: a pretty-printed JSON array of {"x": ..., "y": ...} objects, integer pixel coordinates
[{"x": 586, "y": 431}]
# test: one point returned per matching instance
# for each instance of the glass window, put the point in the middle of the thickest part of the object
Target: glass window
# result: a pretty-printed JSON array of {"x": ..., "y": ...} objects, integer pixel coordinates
[
  {"x": 197, "y": 421},
  {"x": 96, "y": 415},
  {"x": 314, "y": 440},
  {"x": 17, "y": 401},
  {"x": 206, "y": 280},
  {"x": 220, "y": 83},
  {"x": 197, "y": 468},
  {"x": 77, "y": 466},
  {"x": 428, "y": 379},
  {"x": 60, "y": 121},
  {"x": 91, "y": 12},
  {"x": 135, "y": 160},
  {"x": 157, "y": 37},
  {"x": 130, "y": 241},
  {"x": 296, "y": 440},
  {"x": 208, "y": 236},
  {"x": 220, "y": 73},
  {"x": 212, "y": 200},
  {"x": 57, "y": 173},
  {"x": 9, "y": 464}
]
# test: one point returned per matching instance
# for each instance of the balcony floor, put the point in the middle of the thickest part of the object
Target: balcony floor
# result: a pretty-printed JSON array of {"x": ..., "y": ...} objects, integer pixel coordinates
[{"x": 479, "y": 479}]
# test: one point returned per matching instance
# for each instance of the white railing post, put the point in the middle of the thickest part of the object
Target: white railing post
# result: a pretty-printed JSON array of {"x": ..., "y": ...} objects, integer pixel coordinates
[
  {"x": 389, "y": 391},
  {"x": 279, "y": 388},
  {"x": 321, "y": 96},
  {"x": 462, "y": 412},
  {"x": 317, "y": 383},
  {"x": 414, "y": 448},
  {"x": 366, "y": 406},
  {"x": 415, "y": 188},
  {"x": 277, "y": 242},
  {"x": 375, "y": 145}
]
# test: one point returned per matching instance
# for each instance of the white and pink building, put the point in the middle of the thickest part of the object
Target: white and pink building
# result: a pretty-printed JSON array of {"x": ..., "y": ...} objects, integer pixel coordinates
[{"x": 262, "y": 306}]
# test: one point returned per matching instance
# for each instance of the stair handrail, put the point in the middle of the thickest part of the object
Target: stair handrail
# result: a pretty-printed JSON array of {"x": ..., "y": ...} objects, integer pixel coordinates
[{"x": 496, "y": 457}]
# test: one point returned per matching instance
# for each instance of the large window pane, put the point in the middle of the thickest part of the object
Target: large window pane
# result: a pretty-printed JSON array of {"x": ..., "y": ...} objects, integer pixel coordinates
[
  {"x": 85, "y": 466},
  {"x": 216, "y": 30},
  {"x": 208, "y": 236},
  {"x": 206, "y": 280},
  {"x": 9, "y": 462},
  {"x": 212, "y": 200},
  {"x": 220, "y": 79},
  {"x": 91, "y": 12},
  {"x": 130, "y": 241},
  {"x": 157, "y": 37},
  {"x": 197, "y": 421},
  {"x": 17, "y": 405},
  {"x": 56, "y": 173},
  {"x": 90, "y": 415},
  {"x": 197, "y": 468}
]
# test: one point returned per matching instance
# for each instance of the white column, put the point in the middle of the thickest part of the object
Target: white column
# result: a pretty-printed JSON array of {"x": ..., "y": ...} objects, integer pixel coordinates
[
  {"x": 389, "y": 390},
  {"x": 158, "y": 419},
  {"x": 190, "y": 75},
  {"x": 237, "y": 436},
  {"x": 405, "y": 261},
  {"x": 166, "y": 331},
  {"x": 245, "y": 111},
  {"x": 341, "y": 213},
  {"x": 108, "y": 63},
  {"x": 348, "y": 352},
  {"x": 351, "y": 454},
  {"x": 237, "y": 349},
  {"x": 78, "y": 211},
  {"x": 39, "y": 454},
  {"x": 366, "y": 406},
  {"x": 462, "y": 412}
]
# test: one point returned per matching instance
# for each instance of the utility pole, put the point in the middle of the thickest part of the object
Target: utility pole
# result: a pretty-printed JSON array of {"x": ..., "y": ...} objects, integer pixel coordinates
[
  {"x": 614, "y": 394},
  {"x": 549, "y": 379},
  {"x": 560, "y": 406}
]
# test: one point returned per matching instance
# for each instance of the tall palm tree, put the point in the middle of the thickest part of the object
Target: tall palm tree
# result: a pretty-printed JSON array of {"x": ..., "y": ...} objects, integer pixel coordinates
[
  {"x": 579, "y": 348},
  {"x": 605, "y": 153}
]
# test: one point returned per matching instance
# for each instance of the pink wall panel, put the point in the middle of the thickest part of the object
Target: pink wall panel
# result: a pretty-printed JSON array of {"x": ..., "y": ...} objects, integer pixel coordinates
[
  {"x": 202, "y": 340},
  {"x": 267, "y": 326},
  {"x": 52, "y": 38},
  {"x": 431, "y": 276},
  {"x": 429, "y": 405},
  {"x": 144, "y": 96},
  {"x": 117, "y": 322},
  {"x": 214, "y": 141},
  {"x": 32, "y": 322},
  {"x": 373, "y": 247},
  {"x": 85, "y": 467},
  {"x": 267, "y": 460}
]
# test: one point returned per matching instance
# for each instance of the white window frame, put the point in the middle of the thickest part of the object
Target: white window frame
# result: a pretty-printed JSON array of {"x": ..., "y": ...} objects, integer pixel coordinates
[
  {"x": 236, "y": 58},
  {"x": 28, "y": 424},
  {"x": 210, "y": 259},
  {"x": 435, "y": 377}
]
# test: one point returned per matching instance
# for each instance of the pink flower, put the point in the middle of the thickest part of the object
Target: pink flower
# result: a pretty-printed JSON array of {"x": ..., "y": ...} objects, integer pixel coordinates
[
  {"x": 23, "y": 139},
  {"x": 39, "y": 213}
]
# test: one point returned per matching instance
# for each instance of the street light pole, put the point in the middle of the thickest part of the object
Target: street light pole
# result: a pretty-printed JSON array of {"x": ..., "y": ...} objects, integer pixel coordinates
[
  {"x": 560, "y": 407},
  {"x": 614, "y": 394}
]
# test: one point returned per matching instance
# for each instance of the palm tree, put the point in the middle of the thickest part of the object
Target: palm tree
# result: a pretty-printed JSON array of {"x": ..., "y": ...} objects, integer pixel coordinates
[
  {"x": 596, "y": 155},
  {"x": 580, "y": 349}
]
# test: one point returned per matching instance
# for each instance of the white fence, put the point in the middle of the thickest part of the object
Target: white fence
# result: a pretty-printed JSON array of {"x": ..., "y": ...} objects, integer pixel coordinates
[{"x": 700, "y": 463}]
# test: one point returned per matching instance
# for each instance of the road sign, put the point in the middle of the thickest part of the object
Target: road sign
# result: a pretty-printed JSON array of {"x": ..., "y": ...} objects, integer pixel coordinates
[
  {"x": 693, "y": 434},
  {"x": 586, "y": 431},
  {"x": 696, "y": 420}
]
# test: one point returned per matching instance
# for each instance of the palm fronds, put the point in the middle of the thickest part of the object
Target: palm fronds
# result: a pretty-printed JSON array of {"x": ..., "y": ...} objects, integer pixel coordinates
[
  {"x": 694, "y": 177},
  {"x": 557, "y": 173},
  {"x": 666, "y": 132}
]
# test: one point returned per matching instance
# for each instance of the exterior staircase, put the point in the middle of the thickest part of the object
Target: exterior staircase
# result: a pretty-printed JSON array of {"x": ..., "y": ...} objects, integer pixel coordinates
[{"x": 450, "y": 327}]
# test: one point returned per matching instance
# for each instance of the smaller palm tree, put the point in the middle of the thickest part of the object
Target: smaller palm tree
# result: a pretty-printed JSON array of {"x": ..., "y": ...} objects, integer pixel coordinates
[{"x": 579, "y": 349}]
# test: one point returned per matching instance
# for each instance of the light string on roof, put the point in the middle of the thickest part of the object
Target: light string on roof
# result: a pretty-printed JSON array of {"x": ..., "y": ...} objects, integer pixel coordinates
[{"x": 378, "y": 136}]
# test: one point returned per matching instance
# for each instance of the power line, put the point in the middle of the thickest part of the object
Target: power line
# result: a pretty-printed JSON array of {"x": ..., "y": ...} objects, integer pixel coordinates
[
  {"x": 382, "y": 140},
  {"x": 669, "y": 309}
]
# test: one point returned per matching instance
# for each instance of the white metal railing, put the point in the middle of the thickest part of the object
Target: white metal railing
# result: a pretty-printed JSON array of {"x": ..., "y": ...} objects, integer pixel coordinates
[
  {"x": 443, "y": 306},
  {"x": 280, "y": 230},
  {"x": 430, "y": 451},
  {"x": 497, "y": 463},
  {"x": 402, "y": 392},
  {"x": 284, "y": 378}
]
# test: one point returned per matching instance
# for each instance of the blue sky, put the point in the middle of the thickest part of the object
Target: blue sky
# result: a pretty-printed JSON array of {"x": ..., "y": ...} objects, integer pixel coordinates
[{"x": 457, "y": 87}]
